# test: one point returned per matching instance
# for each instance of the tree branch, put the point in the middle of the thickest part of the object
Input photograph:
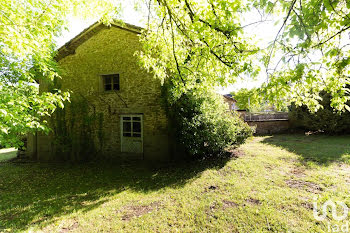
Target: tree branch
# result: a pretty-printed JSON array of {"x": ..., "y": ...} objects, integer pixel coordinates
[
  {"x": 336, "y": 34},
  {"x": 279, "y": 31}
]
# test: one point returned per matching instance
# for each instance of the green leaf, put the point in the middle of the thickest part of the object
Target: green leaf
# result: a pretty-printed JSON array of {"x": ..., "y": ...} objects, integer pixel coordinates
[{"x": 347, "y": 107}]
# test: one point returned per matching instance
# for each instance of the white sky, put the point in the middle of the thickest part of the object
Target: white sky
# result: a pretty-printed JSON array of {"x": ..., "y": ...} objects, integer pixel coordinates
[
  {"x": 129, "y": 15},
  {"x": 266, "y": 32}
]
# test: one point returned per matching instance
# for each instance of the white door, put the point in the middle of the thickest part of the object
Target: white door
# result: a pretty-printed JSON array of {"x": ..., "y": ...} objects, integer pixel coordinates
[{"x": 131, "y": 133}]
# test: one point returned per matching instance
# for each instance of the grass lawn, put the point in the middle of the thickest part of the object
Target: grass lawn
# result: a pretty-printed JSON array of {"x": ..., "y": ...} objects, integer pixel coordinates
[
  {"x": 8, "y": 153},
  {"x": 268, "y": 186}
]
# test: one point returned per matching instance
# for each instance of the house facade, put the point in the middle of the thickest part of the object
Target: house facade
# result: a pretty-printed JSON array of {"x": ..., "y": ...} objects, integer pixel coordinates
[
  {"x": 99, "y": 65},
  {"x": 231, "y": 102}
]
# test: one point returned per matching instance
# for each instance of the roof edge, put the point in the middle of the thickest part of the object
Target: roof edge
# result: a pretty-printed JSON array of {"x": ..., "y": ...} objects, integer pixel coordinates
[{"x": 69, "y": 47}]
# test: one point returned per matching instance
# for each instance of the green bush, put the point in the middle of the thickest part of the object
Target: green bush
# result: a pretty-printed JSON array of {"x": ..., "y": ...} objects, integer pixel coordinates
[
  {"x": 203, "y": 126},
  {"x": 325, "y": 119}
]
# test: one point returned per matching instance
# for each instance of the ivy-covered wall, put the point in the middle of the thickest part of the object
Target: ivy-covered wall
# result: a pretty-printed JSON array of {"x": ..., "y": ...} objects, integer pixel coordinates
[{"x": 111, "y": 51}]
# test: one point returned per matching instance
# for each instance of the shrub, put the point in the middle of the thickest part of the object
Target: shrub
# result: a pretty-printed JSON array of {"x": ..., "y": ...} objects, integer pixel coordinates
[
  {"x": 202, "y": 125},
  {"x": 325, "y": 119}
]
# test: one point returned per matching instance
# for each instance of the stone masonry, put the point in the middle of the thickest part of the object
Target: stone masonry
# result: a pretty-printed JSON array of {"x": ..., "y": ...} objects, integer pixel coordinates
[{"x": 110, "y": 50}]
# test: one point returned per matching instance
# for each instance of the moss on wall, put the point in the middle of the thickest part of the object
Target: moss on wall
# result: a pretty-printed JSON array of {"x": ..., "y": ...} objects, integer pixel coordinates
[{"x": 111, "y": 51}]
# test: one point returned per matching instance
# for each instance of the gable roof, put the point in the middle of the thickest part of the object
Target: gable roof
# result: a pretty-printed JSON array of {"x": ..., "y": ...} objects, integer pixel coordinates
[{"x": 70, "y": 47}]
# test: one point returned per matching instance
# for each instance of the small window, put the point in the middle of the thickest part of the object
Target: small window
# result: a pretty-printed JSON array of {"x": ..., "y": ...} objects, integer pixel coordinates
[
  {"x": 132, "y": 126},
  {"x": 111, "y": 82}
]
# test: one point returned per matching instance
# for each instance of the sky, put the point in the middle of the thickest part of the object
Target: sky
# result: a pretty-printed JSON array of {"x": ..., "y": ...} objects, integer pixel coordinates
[
  {"x": 76, "y": 25},
  {"x": 266, "y": 32}
]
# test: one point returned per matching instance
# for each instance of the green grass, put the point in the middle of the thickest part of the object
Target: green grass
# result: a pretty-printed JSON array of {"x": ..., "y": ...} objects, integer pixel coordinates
[
  {"x": 7, "y": 154},
  {"x": 269, "y": 187}
]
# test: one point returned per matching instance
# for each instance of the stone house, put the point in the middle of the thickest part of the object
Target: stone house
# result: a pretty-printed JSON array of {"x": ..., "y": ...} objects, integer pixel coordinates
[
  {"x": 231, "y": 102},
  {"x": 99, "y": 65}
]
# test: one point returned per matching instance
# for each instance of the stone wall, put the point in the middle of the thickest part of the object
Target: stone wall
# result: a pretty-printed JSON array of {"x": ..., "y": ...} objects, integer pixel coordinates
[
  {"x": 111, "y": 51},
  {"x": 230, "y": 103},
  {"x": 269, "y": 127}
]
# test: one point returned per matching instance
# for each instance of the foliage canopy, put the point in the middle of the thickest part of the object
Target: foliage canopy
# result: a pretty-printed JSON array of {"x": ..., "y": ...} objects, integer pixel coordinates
[
  {"x": 206, "y": 44},
  {"x": 27, "y": 41}
]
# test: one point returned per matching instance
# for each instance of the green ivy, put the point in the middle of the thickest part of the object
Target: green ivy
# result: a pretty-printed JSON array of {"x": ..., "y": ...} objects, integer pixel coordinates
[{"x": 77, "y": 130}]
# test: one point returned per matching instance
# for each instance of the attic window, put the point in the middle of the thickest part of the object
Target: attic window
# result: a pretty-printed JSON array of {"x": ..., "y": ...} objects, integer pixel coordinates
[{"x": 111, "y": 82}]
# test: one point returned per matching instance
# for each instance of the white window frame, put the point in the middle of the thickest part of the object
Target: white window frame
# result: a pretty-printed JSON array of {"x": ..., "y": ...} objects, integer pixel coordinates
[{"x": 122, "y": 129}]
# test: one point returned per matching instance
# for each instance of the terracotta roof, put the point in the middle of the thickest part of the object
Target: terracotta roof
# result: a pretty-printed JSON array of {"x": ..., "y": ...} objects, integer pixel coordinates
[{"x": 70, "y": 47}]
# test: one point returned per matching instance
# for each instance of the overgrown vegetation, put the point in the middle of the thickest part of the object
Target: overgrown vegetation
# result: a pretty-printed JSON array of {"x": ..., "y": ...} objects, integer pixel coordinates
[
  {"x": 269, "y": 186},
  {"x": 22, "y": 107},
  {"x": 326, "y": 119},
  {"x": 212, "y": 43},
  {"x": 28, "y": 31},
  {"x": 202, "y": 124},
  {"x": 77, "y": 130},
  {"x": 255, "y": 100}
]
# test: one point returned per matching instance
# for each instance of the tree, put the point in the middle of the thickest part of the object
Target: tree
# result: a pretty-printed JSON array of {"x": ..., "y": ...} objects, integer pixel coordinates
[
  {"x": 27, "y": 33},
  {"x": 248, "y": 100},
  {"x": 204, "y": 43},
  {"x": 313, "y": 48},
  {"x": 325, "y": 119},
  {"x": 197, "y": 43},
  {"x": 193, "y": 47},
  {"x": 254, "y": 100}
]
